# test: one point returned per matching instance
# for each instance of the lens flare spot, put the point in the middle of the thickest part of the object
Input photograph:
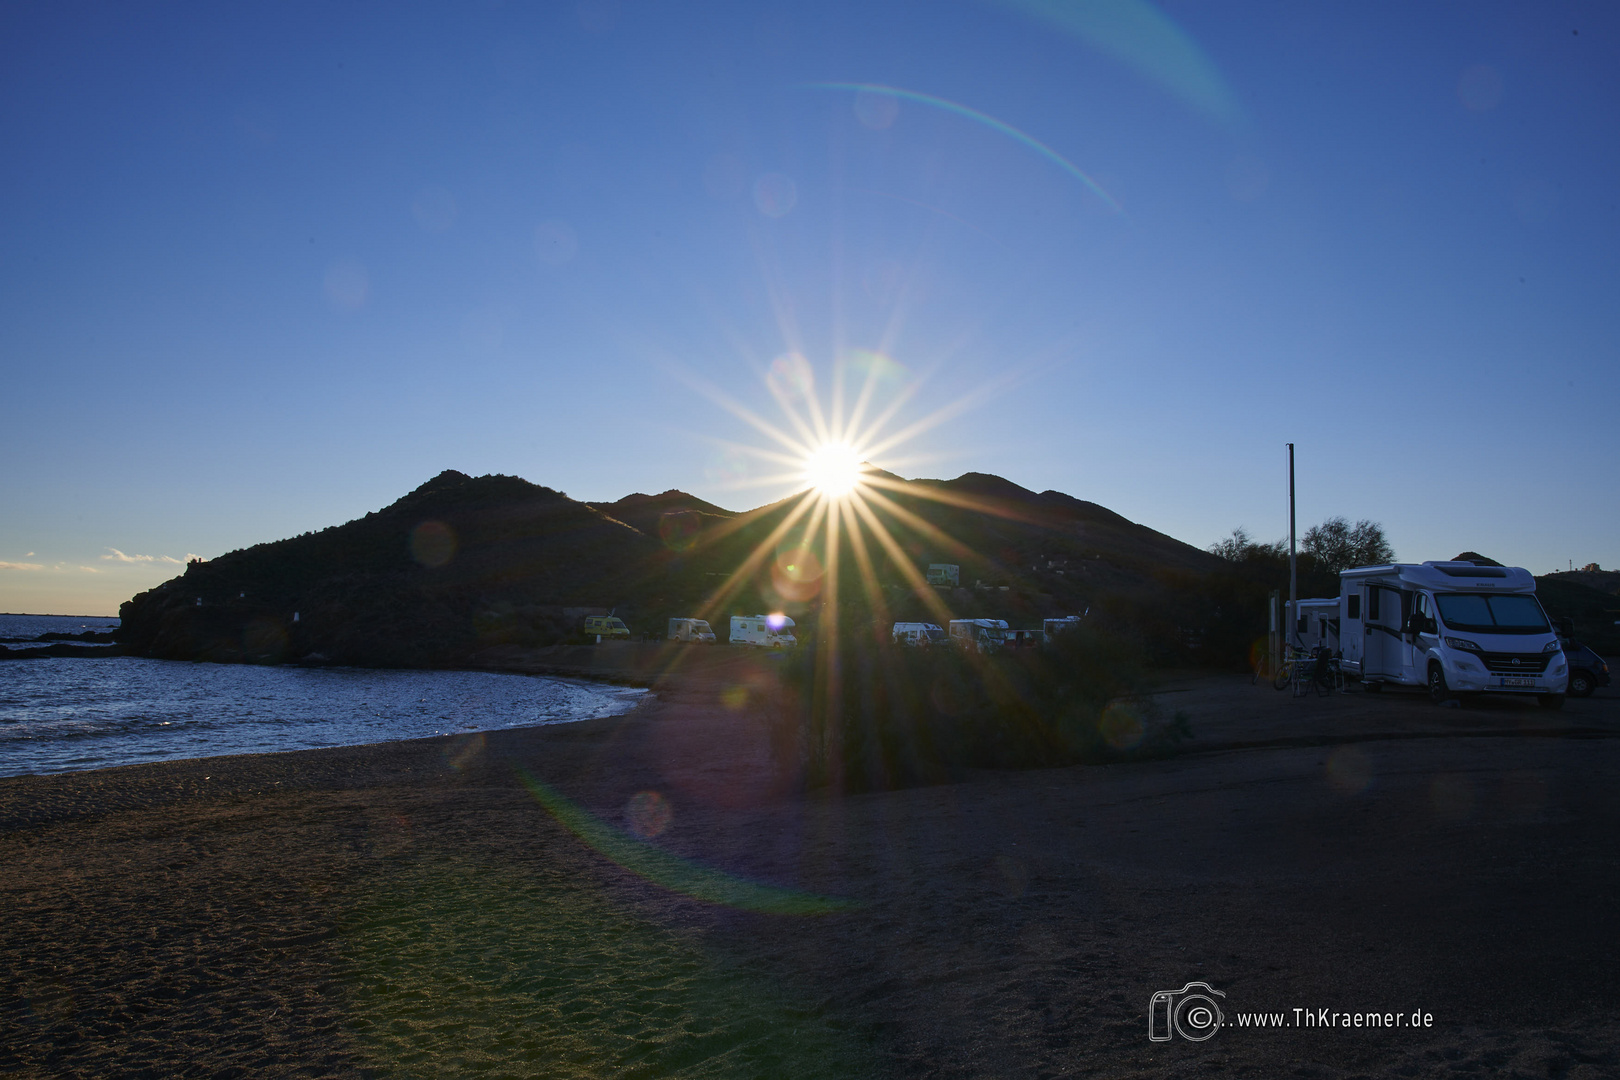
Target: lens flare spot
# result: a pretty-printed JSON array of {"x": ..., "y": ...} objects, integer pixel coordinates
[
  {"x": 1349, "y": 771},
  {"x": 264, "y": 637},
  {"x": 797, "y": 576},
  {"x": 647, "y": 814},
  {"x": 876, "y": 109},
  {"x": 775, "y": 195},
  {"x": 433, "y": 543},
  {"x": 833, "y": 469},
  {"x": 347, "y": 286},
  {"x": 679, "y": 529},
  {"x": 728, "y": 468},
  {"x": 464, "y": 751},
  {"x": 798, "y": 562},
  {"x": 1480, "y": 88},
  {"x": 790, "y": 377},
  {"x": 1121, "y": 726},
  {"x": 734, "y": 697}
]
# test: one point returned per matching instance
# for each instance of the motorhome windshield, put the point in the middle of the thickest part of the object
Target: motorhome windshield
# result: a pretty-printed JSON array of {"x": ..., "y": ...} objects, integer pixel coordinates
[
  {"x": 1485, "y": 613},
  {"x": 935, "y": 634}
]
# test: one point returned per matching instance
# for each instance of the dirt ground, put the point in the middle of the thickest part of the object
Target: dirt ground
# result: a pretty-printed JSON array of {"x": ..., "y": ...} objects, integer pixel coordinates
[{"x": 641, "y": 897}]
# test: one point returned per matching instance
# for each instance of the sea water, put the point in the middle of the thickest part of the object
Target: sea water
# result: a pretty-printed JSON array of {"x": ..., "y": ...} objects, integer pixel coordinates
[
  {"x": 62, "y": 714},
  {"x": 19, "y": 631}
]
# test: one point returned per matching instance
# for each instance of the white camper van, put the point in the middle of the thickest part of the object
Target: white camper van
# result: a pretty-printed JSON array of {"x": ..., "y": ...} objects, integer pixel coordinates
[
  {"x": 1454, "y": 627},
  {"x": 918, "y": 634},
  {"x": 1315, "y": 623},
  {"x": 980, "y": 635},
  {"x": 690, "y": 630},
  {"x": 769, "y": 631}
]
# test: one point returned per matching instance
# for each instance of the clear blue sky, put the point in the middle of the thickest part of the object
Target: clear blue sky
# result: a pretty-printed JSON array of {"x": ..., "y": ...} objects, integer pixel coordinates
[{"x": 265, "y": 268}]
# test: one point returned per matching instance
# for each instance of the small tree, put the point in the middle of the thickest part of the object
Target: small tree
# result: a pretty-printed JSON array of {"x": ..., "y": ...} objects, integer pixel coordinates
[
  {"x": 1241, "y": 547},
  {"x": 1337, "y": 545}
]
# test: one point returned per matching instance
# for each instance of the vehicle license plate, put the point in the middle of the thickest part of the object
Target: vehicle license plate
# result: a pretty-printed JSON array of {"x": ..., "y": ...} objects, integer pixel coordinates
[{"x": 1518, "y": 682}]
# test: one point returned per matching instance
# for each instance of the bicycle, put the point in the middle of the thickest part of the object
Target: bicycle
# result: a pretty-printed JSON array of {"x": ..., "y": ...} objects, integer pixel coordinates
[
  {"x": 1317, "y": 669},
  {"x": 1292, "y": 661}
]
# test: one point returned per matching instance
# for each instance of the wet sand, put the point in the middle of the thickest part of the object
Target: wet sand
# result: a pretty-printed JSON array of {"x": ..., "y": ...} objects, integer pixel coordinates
[{"x": 463, "y": 905}]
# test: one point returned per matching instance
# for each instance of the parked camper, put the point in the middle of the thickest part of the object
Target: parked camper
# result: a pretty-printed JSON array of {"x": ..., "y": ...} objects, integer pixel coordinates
[
  {"x": 1314, "y": 624},
  {"x": 1454, "y": 627},
  {"x": 1026, "y": 639},
  {"x": 944, "y": 574},
  {"x": 690, "y": 630},
  {"x": 1587, "y": 670},
  {"x": 1058, "y": 626},
  {"x": 919, "y": 634},
  {"x": 606, "y": 627},
  {"x": 980, "y": 635},
  {"x": 769, "y": 631}
]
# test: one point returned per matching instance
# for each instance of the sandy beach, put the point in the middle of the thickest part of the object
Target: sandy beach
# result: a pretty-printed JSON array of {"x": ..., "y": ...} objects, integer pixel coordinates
[{"x": 648, "y": 896}]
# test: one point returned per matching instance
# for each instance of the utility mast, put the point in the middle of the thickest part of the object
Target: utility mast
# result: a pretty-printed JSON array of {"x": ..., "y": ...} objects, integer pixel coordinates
[{"x": 1293, "y": 569}]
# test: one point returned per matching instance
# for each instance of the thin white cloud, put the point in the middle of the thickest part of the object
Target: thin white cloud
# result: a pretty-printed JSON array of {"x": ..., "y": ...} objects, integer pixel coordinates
[
  {"x": 89, "y": 569},
  {"x": 22, "y": 565},
  {"x": 28, "y": 554},
  {"x": 119, "y": 556}
]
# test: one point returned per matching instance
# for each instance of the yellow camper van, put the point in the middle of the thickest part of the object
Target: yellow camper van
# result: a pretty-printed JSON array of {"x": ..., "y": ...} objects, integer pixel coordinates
[{"x": 606, "y": 627}]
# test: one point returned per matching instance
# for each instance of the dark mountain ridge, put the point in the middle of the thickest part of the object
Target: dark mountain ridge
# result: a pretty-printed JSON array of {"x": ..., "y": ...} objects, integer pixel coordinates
[
  {"x": 461, "y": 565},
  {"x": 424, "y": 581}
]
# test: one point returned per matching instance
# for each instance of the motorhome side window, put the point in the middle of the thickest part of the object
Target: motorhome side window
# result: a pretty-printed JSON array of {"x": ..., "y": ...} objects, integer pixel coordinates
[
  {"x": 1353, "y": 608},
  {"x": 1372, "y": 602}
]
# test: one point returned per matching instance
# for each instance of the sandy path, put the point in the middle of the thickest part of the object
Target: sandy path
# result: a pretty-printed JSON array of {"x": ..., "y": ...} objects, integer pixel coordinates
[{"x": 415, "y": 908}]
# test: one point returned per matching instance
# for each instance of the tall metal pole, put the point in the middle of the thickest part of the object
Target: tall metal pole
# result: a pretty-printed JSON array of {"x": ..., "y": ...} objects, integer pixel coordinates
[{"x": 1293, "y": 569}]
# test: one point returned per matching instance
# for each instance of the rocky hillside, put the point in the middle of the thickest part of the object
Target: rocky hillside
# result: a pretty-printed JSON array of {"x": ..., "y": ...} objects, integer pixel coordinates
[
  {"x": 457, "y": 564},
  {"x": 463, "y": 565}
]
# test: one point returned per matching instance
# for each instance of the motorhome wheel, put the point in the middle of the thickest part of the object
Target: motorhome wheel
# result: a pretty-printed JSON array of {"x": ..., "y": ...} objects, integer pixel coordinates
[
  {"x": 1438, "y": 691},
  {"x": 1580, "y": 684}
]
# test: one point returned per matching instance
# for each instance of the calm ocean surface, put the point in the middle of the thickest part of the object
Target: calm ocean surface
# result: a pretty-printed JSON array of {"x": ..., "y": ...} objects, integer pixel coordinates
[{"x": 62, "y": 714}]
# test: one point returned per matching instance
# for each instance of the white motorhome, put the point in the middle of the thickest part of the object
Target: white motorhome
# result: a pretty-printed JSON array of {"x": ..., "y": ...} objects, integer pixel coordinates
[
  {"x": 1313, "y": 623},
  {"x": 981, "y": 635},
  {"x": 690, "y": 630},
  {"x": 767, "y": 631},
  {"x": 918, "y": 634},
  {"x": 1455, "y": 627}
]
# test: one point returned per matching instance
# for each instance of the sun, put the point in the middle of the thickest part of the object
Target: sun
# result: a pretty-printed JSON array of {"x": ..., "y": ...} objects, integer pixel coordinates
[{"x": 833, "y": 470}]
